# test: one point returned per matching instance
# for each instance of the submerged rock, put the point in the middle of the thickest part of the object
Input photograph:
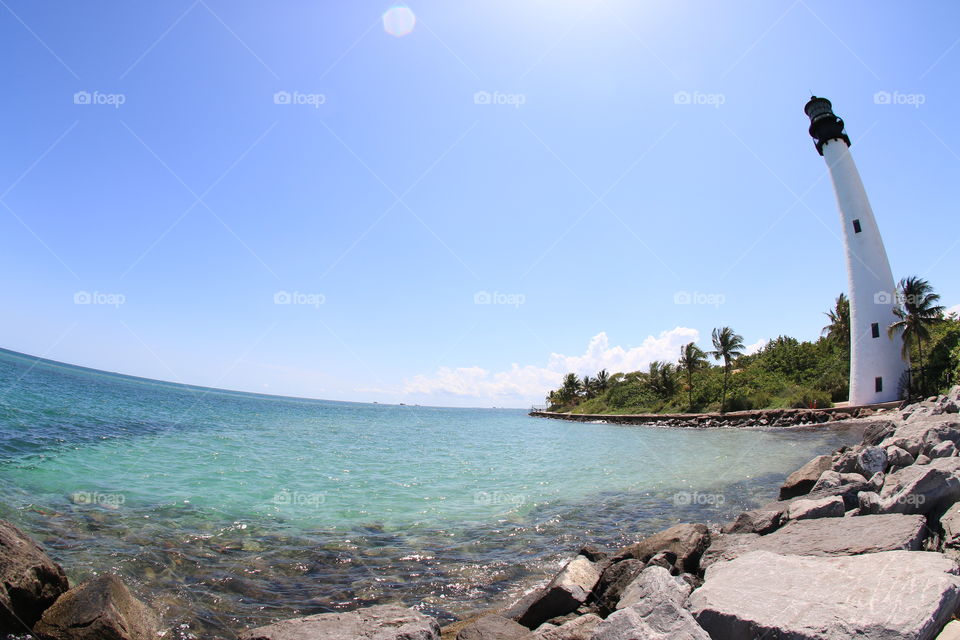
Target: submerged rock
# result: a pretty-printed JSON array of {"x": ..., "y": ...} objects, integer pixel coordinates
[
  {"x": 29, "y": 580},
  {"x": 893, "y": 594},
  {"x": 99, "y": 609},
  {"x": 382, "y": 622}
]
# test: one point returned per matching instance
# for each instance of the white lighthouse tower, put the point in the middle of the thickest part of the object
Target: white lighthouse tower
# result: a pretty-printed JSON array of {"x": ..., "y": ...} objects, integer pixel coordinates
[{"x": 876, "y": 367}]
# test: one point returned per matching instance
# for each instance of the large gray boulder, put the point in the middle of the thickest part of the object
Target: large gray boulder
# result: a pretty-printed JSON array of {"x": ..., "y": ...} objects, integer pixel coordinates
[
  {"x": 29, "y": 580},
  {"x": 883, "y": 596},
  {"x": 922, "y": 489},
  {"x": 802, "y": 480},
  {"x": 950, "y": 521},
  {"x": 897, "y": 457},
  {"x": 872, "y": 460},
  {"x": 825, "y": 537},
  {"x": 566, "y": 592},
  {"x": 494, "y": 627},
  {"x": 99, "y": 609},
  {"x": 652, "y": 619},
  {"x": 756, "y": 521},
  {"x": 832, "y": 507},
  {"x": 381, "y": 622},
  {"x": 943, "y": 450},
  {"x": 878, "y": 431},
  {"x": 685, "y": 542},
  {"x": 655, "y": 582}
]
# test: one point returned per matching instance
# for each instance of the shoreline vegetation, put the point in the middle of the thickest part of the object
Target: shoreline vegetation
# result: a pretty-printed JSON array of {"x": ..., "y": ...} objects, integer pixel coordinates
[
  {"x": 864, "y": 541},
  {"x": 785, "y": 374}
]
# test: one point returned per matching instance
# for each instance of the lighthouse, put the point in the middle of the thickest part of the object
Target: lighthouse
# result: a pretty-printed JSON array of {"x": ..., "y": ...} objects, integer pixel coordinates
[{"x": 876, "y": 366}]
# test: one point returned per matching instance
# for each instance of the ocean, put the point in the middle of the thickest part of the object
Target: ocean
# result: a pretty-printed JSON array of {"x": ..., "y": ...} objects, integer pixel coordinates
[{"x": 226, "y": 510}]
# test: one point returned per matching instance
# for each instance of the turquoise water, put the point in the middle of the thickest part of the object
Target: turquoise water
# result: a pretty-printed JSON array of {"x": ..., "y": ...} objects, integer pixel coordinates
[{"x": 228, "y": 509}]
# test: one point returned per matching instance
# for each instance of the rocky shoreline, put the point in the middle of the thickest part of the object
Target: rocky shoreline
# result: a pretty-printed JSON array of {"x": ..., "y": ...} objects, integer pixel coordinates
[
  {"x": 864, "y": 542},
  {"x": 757, "y": 418}
]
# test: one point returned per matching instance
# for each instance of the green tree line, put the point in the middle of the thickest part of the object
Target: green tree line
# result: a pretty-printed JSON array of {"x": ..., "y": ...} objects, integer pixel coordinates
[{"x": 786, "y": 372}]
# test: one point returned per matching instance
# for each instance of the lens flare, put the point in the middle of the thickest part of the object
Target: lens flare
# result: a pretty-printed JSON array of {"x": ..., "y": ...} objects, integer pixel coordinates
[{"x": 399, "y": 21}]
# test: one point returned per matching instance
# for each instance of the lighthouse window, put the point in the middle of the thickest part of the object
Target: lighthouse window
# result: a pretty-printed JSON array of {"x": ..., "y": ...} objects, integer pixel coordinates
[
  {"x": 875, "y": 328},
  {"x": 856, "y": 226},
  {"x": 878, "y": 383}
]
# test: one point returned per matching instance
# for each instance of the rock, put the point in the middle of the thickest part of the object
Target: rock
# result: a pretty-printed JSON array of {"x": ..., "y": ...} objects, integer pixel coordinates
[
  {"x": 892, "y": 594},
  {"x": 951, "y": 631},
  {"x": 871, "y": 460},
  {"x": 801, "y": 481},
  {"x": 878, "y": 431},
  {"x": 613, "y": 581},
  {"x": 922, "y": 489},
  {"x": 875, "y": 483},
  {"x": 831, "y": 479},
  {"x": 664, "y": 559},
  {"x": 846, "y": 462},
  {"x": 29, "y": 580},
  {"x": 840, "y": 537},
  {"x": 685, "y": 541},
  {"x": 910, "y": 445},
  {"x": 756, "y": 521},
  {"x": 832, "y": 507},
  {"x": 565, "y": 593},
  {"x": 381, "y": 622},
  {"x": 869, "y": 502},
  {"x": 593, "y": 553},
  {"x": 897, "y": 457},
  {"x": 580, "y": 628},
  {"x": 99, "y": 608},
  {"x": 650, "y": 620},
  {"x": 655, "y": 582},
  {"x": 922, "y": 459},
  {"x": 950, "y": 521},
  {"x": 494, "y": 627},
  {"x": 943, "y": 450}
]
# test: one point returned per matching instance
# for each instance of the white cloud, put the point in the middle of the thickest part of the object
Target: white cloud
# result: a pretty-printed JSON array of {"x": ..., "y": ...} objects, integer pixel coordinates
[
  {"x": 954, "y": 309},
  {"x": 751, "y": 349},
  {"x": 529, "y": 383}
]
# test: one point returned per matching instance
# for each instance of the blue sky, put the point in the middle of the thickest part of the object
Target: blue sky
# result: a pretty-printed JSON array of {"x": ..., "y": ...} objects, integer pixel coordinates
[{"x": 284, "y": 198}]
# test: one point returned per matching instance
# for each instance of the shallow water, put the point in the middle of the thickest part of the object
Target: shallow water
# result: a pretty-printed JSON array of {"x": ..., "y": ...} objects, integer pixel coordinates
[{"x": 228, "y": 510}]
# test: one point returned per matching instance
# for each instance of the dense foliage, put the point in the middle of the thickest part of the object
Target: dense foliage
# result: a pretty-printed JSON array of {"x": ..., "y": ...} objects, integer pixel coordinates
[{"x": 784, "y": 373}]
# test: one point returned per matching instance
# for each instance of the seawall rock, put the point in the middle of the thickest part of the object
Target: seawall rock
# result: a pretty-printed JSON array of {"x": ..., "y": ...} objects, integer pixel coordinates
[
  {"x": 382, "y": 622},
  {"x": 890, "y": 595},
  {"x": 30, "y": 581},
  {"x": 100, "y": 609}
]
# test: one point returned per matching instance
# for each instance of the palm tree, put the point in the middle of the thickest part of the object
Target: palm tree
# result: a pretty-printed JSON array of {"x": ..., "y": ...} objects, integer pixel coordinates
[
  {"x": 838, "y": 331},
  {"x": 692, "y": 358},
  {"x": 727, "y": 345},
  {"x": 588, "y": 385},
  {"x": 570, "y": 388},
  {"x": 916, "y": 312},
  {"x": 602, "y": 380},
  {"x": 660, "y": 379}
]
